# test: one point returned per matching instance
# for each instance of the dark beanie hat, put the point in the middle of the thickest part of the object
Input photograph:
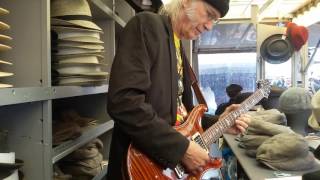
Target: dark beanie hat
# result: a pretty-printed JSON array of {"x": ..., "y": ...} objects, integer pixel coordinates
[{"x": 221, "y": 5}]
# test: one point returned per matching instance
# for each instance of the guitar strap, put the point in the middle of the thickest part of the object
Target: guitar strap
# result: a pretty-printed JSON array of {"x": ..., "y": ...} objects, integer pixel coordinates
[{"x": 194, "y": 81}]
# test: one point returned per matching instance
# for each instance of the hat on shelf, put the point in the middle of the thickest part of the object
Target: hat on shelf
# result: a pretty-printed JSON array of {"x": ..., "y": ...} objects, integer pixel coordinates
[
  {"x": 81, "y": 82},
  {"x": 5, "y": 85},
  {"x": 5, "y": 38},
  {"x": 276, "y": 49},
  {"x": 295, "y": 100},
  {"x": 5, "y": 74},
  {"x": 286, "y": 151},
  {"x": 91, "y": 59},
  {"x": 298, "y": 35},
  {"x": 78, "y": 68},
  {"x": 76, "y": 56},
  {"x": 8, "y": 164},
  {"x": 5, "y": 62},
  {"x": 5, "y": 47},
  {"x": 73, "y": 50},
  {"x": 73, "y": 13},
  {"x": 314, "y": 119},
  {"x": 64, "y": 45},
  {"x": 4, "y": 26},
  {"x": 3, "y": 11},
  {"x": 98, "y": 75},
  {"x": 221, "y": 5}
]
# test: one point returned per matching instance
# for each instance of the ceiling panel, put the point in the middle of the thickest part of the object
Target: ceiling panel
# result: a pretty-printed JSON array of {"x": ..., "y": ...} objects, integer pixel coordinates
[{"x": 275, "y": 9}]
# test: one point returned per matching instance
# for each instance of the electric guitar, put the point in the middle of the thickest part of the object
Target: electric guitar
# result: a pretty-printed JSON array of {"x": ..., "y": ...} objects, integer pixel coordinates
[{"x": 141, "y": 167}]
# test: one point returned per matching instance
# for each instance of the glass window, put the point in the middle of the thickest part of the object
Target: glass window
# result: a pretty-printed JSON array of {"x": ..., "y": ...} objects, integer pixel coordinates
[
  {"x": 217, "y": 71},
  {"x": 279, "y": 74}
]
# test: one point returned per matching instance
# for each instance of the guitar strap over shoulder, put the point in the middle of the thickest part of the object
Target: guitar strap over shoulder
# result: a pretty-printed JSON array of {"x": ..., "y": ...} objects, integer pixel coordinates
[{"x": 194, "y": 81}]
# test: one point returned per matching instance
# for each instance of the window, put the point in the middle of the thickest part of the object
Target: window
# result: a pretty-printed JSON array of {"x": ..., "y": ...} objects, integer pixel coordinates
[
  {"x": 279, "y": 74},
  {"x": 217, "y": 71}
]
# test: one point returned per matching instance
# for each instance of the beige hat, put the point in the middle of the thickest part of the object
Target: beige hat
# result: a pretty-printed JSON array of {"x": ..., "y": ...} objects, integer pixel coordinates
[
  {"x": 5, "y": 74},
  {"x": 3, "y": 11},
  {"x": 78, "y": 23},
  {"x": 314, "y": 119},
  {"x": 91, "y": 59},
  {"x": 77, "y": 68},
  {"x": 286, "y": 151},
  {"x": 5, "y": 85},
  {"x": 68, "y": 51},
  {"x": 70, "y": 7},
  {"x": 88, "y": 74},
  {"x": 82, "y": 80},
  {"x": 4, "y": 26},
  {"x": 5, "y": 38},
  {"x": 74, "y": 12},
  {"x": 5, "y": 47},
  {"x": 64, "y": 45},
  {"x": 5, "y": 62},
  {"x": 71, "y": 56}
]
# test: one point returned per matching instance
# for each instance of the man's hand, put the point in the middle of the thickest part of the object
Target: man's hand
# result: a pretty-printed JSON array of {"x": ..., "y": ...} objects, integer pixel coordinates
[
  {"x": 195, "y": 158},
  {"x": 241, "y": 123}
]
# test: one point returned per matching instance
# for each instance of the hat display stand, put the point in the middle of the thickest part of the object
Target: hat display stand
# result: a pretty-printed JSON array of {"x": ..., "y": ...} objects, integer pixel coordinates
[
  {"x": 299, "y": 121},
  {"x": 4, "y": 46},
  {"x": 76, "y": 35}
]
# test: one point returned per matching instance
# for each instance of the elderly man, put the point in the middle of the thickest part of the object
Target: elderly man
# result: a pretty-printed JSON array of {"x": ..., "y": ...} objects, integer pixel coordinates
[{"x": 150, "y": 88}]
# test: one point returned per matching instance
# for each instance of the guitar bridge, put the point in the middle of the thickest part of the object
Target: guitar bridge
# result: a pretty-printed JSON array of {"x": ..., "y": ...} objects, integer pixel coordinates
[{"x": 179, "y": 170}]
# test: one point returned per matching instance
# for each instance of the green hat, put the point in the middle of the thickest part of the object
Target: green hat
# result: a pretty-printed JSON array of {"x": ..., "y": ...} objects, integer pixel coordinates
[
  {"x": 286, "y": 151},
  {"x": 314, "y": 119},
  {"x": 294, "y": 100}
]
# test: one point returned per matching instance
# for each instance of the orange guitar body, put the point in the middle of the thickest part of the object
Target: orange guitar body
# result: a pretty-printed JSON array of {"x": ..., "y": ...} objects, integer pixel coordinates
[{"x": 140, "y": 167}]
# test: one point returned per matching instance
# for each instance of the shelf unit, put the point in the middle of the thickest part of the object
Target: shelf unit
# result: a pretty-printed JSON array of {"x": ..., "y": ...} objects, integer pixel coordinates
[{"x": 28, "y": 109}]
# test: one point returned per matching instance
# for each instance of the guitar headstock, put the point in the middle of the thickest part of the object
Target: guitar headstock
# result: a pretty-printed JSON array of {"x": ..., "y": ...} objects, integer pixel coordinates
[{"x": 264, "y": 86}]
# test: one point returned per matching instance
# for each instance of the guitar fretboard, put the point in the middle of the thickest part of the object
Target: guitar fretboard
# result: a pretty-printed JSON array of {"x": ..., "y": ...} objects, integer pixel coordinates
[{"x": 216, "y": 130}]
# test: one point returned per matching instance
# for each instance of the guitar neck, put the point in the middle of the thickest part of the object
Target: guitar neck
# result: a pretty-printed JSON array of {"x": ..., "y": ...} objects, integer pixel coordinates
[{"x": 216, "y": 130}]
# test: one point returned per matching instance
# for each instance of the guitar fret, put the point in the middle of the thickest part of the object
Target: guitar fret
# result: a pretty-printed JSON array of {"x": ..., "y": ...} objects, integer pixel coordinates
[{"x": 216, "y": 130}]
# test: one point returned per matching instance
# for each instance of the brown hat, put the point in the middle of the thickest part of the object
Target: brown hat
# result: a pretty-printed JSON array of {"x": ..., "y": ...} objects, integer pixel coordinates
[
  {"x": 286, "y": 151},
  {"x": 221, "y": 5}
]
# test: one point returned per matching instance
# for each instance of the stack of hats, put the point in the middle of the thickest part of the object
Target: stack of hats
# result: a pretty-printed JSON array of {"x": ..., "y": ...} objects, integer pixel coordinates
[
  {"x": 295, "y": 102},
  {"x": 298, "y": 35},
  {"x": 85, "y": 162},
  {"x": 4, "y": 39},
  {"x": 76, "y": 46},
  {"x": 314, "y": 119},
  {"x": 264, "y": 125},
  {"x": 70, "y": 126}
]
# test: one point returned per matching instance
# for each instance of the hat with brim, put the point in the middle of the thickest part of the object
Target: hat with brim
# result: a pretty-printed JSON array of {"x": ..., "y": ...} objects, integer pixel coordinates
[
  {"x": 75, "y": 23},
  {"x": 3, "y": 11},
  {"x": 81, "y": 39},
  {"x": 5, "y": 47},
  {"x": 63, "y": 35},
  {"x": 5, "y": 85},
  {"x": 81, "y": 80},
  {"x": 314, "y": 119},
  {"x": 89, "y": 74},
  {"x": 77, "y": 68},
  {"x": 64, "y": 45},
  {"x": 5, "y": 62},
  {"x": 64, "y": 29},
  {"x": 298, "y": 35},
  {"x": 71, "y": 56},
  {"x": 5, "y": 74},
  {"x": 286, "y": 151},
  {"x": 5, "y": 38},
  {"x": 72, "y": 13},
  {"x": 67, "y": 51},
  {"x": 4, "y": 26},
  {"x": 276, "y": 49},
  {"x": 80, "y": 59}
]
